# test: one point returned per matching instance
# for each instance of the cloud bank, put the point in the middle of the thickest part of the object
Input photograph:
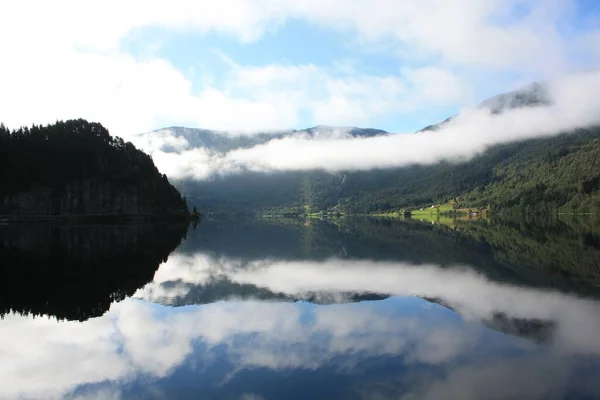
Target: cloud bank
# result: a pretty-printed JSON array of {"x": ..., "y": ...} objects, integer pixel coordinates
[{"x": 574, "y": 104}]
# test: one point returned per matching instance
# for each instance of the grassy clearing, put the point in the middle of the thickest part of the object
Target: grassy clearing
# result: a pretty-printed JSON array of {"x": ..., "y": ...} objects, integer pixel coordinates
[
  {"x": 428, "y": 211},
  {"x": 435, "y": 219},
  {"x": 444, "y": 214},
  {"x": 437, "y": 215}
]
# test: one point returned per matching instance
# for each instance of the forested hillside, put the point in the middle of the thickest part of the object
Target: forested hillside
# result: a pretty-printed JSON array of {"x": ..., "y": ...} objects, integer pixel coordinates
[
  {"x": 550, "y": 174},
  {"x": 541, "y": 175},
  {"x": 561, "y": 175},
  {"x": 544, "y": 175},
  {"x": 76, "y": 168}
]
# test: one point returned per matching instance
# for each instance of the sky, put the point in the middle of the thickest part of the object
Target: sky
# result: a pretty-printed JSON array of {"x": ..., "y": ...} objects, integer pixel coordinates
[
  {"x": 572, "y": 103},
  {"x": 252, "y": 65}
]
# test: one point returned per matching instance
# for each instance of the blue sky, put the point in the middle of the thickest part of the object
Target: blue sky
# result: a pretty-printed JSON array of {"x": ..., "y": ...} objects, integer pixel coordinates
[{"x": 249, "y": 65}]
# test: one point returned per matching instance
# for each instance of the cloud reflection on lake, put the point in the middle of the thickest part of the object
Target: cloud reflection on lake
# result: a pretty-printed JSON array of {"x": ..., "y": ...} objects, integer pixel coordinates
[{"x": 392, "y": 348}]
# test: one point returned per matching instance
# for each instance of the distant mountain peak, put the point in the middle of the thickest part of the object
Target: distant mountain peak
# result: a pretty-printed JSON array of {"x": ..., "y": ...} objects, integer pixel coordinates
[
  {"x": 535, "y": 94},
  {"x": 224, "y": 141}
]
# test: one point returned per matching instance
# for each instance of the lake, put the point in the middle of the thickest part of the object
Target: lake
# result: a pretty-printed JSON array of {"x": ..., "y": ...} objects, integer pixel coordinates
[{"x": 351, "y": 308}]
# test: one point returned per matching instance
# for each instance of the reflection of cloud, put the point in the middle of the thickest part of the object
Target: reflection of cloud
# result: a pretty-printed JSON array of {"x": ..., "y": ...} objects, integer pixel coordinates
[
  {"x": 507, "y": 378},
  {"x": 139, "y": 338},
  {"x": 45, "y": 358},
  {"x": 101, "y": 394},
  {"x": 534, "y": 377},
  {"x": 179, "y": 269},
  {"x": 136, "y": 338},
  {"x": 251, "y": 396},
  {"x": 469, "y": 293}
]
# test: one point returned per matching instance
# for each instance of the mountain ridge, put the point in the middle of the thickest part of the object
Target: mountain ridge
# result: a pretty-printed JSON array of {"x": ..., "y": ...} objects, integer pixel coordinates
[
  {"x": 224, "y": 141},
  {"x": 534, "y": 94},
  {"x": 492, "y": 179}
]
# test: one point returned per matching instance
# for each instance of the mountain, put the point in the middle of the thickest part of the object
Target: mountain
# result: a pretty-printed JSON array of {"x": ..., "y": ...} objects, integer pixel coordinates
[
  {"x": 249, "y": 191},
  {"x": 75, "y": 168},
  {"x": 223, "y": 141},
  {"x": 179, "y": 293},
  {"x": 534, "y": 95},
  {"x": 542, "y": 175}
]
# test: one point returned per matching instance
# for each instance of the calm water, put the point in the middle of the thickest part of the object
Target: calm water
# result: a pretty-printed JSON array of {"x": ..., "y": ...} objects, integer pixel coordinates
[{"x": 289, "y": 309}]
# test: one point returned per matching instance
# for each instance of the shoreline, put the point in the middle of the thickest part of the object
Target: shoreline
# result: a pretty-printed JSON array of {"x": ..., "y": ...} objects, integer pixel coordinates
[{"x": 99, "y": 218}]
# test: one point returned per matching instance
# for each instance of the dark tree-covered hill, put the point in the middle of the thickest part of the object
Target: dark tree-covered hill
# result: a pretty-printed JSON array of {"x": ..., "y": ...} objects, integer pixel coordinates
[{"x": 76, "y": 167}]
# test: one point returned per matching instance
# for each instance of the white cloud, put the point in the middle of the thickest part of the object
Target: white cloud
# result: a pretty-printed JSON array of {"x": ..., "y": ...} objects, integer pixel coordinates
[
  {"x": 497, "y": 34},
  {"x": 129, "y": 95},
  {"x": 491, "y": 32},
  {"x": 575, "y": 104},
  {"x": 436, "y": 85},
  {"x": 65, "y": 59}
]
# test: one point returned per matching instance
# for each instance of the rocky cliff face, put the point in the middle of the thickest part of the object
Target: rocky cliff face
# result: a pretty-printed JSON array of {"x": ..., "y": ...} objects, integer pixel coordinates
[{"x": 85, "y": 197}]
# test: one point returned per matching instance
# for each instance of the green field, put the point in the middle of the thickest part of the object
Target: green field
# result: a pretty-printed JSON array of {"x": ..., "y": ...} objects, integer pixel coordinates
[
  {"x": 441, "y": 214},
  {"x": 428, "y": 211}
]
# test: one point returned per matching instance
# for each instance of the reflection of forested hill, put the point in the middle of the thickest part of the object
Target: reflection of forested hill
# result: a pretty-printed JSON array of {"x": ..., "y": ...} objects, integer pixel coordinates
[
  {"x": 75, "y": 272},
  {"x": 561, "y": 249},
  {"x": 179, "y": 293},
  {"x": 246, "y": 238},
  {"x": 536, "y": 330},
  {"x": 552, "y": 255}
]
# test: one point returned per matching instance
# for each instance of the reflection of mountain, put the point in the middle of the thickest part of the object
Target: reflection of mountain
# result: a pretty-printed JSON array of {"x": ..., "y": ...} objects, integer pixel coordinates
[
  {"x": 249, "y": 260},
  {"x": 536, "y": 330},
  {"x": 533, "y": 95},
  {"x": 539, "y": 331},
  {"x": 226, "y": 141},
  {"x": 551, "y": 254},
  {"x": 564, "y": 251},
  {"x": 75, "y": 272},
  {"x": 180, "y": 293},
  {"x": 556, "y": 254}
]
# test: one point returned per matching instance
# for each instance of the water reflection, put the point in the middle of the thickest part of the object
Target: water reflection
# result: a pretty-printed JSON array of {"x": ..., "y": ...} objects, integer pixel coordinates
[
  {"x": 461, "y": 289},
  {"x": 317, "y": 323},
  {"x": 560, "y": 254},
  {"x": 76, "y": 272}
]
